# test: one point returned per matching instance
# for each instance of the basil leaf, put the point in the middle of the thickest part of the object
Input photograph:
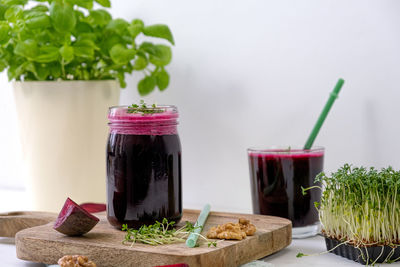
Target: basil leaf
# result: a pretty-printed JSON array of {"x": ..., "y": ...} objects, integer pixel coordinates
[
  {"x": 14, "y": 2},
  {"x": 11, "y": 73},
  {"x": 140, "y": 63},
  {"x": 82, "y": 27},
  {"x": 134, "y": 30},
  {"x": 62, "y": 17},
  {"x": 55, "y": 69},
  {"x": 13, "y": 13},
  {"x": 79, "y": 15},
  {"x": 47, "y": 54},
  {"x": 28, "y": 14},
  {"x": 41, "y": 71},
  {"x": 23, "y": 69},
  {"x": 110, "y": 41},
  {"x": 38, "y": 22},
  {"x": 44, "y": 36},
  {"x": 162, "y": 78},
  {"x": 104, "y": 3},
  {"x": 3, "y": 64},
  {"x": 162, "y": 57},
  {"x": 4, "y": 36},
  {"x": 148, "y": 48},
  {"x": 40, "y": 8},
  {"x": 88, "y": 4},
  {"x": 138, "y": 22},
  {"x": 30, "y": 66},
  {"x": 118, "y": 26},
  {"x": 19, "y": 70},
  {"x": 88, "y": 36},
  {"x": 3, "y": 9},
  {"x": 121, "y": 55},
  {"x": 27, "y": 48},
  {"x": 116, "y": 54},
  {"x": 135, "y": 27},
  {"x": 84, "y": 49},
  {"x": 67, "y": 53},
  {"x": 25, "y": 33},
  {"x": 146, "y": 85},
  {"x": 99, "y": 17},
  {"x": 86, "y": 42},
  {"x": 121, "y": 78},
  {"x": 160, "y": 31}
]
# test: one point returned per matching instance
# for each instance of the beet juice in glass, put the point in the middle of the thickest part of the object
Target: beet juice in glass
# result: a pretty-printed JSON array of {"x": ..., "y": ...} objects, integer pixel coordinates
[
  {"x": 276, "y": 177},
  {"x": 143, "y": 166}
]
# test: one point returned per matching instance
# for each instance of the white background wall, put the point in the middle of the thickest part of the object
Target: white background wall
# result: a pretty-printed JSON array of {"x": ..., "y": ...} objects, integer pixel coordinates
[{"x": 254, "y": 72}]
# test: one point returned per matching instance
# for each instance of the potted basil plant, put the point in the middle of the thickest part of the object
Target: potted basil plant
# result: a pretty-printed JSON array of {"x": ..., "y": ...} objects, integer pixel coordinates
[
  {"x": 359, "y": 213},
  {"x": 68, "y": 60}
]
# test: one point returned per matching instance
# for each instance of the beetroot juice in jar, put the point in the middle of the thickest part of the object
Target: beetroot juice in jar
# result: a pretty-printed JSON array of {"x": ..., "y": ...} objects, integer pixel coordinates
[{"x": 143, "y": 166}]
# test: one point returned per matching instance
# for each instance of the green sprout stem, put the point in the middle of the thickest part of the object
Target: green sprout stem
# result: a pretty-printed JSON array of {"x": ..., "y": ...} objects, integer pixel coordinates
[
  {"x": 360, "y": 207},
  {"x": 160, "y": 233},
  {"x": 300, "y": 254},
  {"x": 304, "y": 190}
]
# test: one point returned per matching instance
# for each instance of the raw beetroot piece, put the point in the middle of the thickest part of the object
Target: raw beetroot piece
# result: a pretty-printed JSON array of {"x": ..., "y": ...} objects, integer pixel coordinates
[
  {"x": 73, "y": 220},
  {"x": 93, "y": 207}
]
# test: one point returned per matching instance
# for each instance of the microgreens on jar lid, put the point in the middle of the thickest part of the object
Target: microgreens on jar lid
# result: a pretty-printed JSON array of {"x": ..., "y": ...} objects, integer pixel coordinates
[{"x": 144, "y": 109}]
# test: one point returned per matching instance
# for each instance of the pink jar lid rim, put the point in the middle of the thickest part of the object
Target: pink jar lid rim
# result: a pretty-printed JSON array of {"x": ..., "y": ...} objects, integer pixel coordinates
[{"x": 120, "y": 114}]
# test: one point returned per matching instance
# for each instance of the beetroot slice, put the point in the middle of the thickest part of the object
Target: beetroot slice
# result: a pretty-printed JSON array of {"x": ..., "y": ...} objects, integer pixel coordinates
[
  {"x": 73, "y": 220},
  {"x": 93, "y": 207}
]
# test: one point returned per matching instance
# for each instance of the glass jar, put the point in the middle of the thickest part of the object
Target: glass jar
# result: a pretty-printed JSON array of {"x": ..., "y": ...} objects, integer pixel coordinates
[
  {"x": 277, "y": 176},
  {"x": 143, "y": 166}
]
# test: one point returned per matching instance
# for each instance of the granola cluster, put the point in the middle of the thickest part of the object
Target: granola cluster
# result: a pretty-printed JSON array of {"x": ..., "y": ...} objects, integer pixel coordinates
[{"x": 236, "y": 231}]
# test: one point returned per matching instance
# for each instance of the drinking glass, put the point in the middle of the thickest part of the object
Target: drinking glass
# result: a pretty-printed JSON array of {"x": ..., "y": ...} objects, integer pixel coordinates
[{"x": 277, "y": 175}]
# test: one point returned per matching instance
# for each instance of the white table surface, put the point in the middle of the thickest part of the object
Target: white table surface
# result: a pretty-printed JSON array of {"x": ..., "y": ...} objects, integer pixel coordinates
[
  {"x": 285, "y": 257},
  {"x": 12, "y": 200}
]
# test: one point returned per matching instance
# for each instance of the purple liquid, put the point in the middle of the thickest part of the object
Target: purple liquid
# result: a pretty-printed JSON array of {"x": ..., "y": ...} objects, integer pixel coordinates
[
  {"x": 276, "y": 181},
  {"x": 143, "y": 179}
]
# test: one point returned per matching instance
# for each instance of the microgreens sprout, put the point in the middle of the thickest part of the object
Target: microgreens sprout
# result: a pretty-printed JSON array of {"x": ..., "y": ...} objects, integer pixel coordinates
[
  {"x": 160, "y": 233},
  {"x": 143, "y": 109},
  {"x": 360, "y": 206}
]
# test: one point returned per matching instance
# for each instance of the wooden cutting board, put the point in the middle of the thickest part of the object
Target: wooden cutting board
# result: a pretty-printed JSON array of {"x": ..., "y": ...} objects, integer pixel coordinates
[
  {"x": 103, "y": 244},
  {"x": 12, "y": 222}
]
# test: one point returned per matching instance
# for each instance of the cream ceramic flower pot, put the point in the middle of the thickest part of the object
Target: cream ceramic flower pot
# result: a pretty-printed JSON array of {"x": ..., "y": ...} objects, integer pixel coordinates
[{"x": 63, "y": 127}]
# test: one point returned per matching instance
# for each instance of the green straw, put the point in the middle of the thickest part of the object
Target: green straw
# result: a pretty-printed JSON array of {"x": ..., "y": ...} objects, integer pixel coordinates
[
  {"x": 192, "y": 239},
  {"x": 324, "y": 113}
]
